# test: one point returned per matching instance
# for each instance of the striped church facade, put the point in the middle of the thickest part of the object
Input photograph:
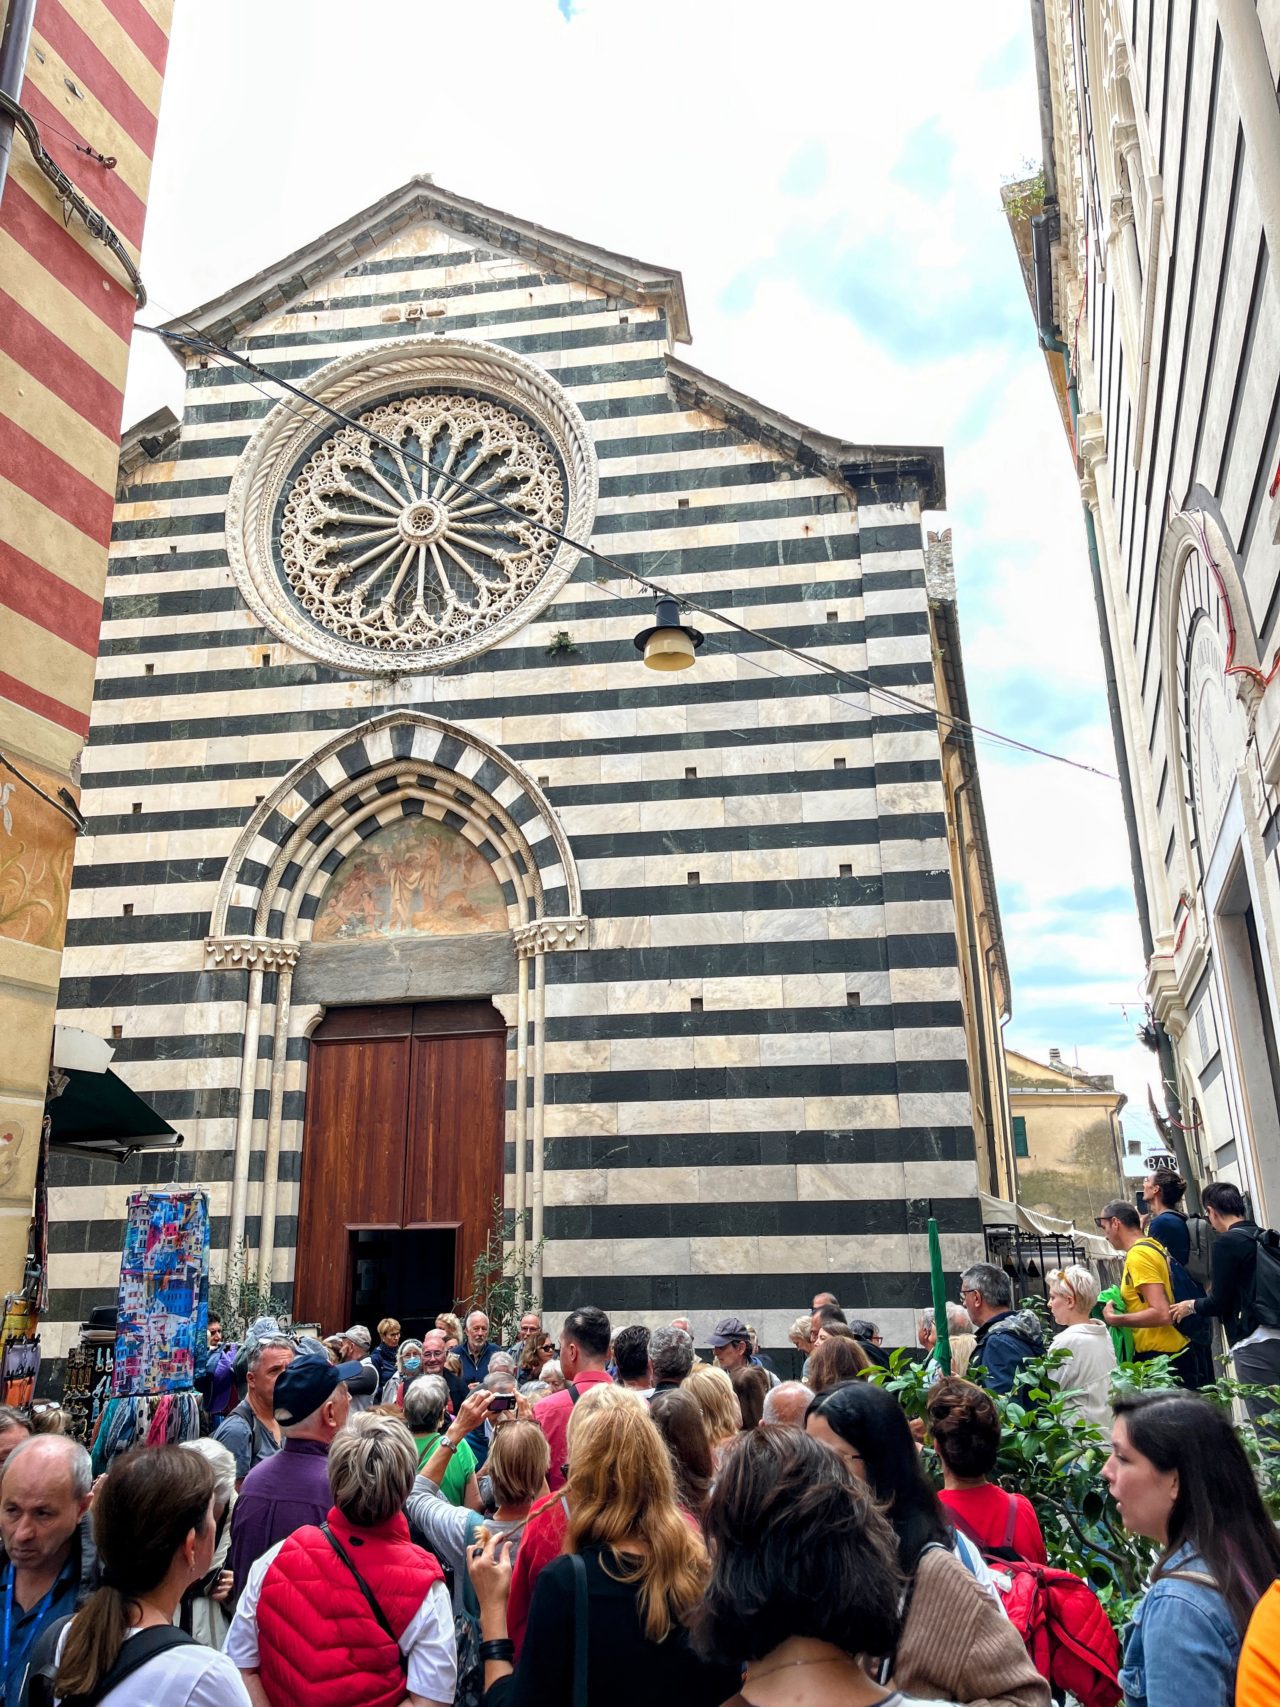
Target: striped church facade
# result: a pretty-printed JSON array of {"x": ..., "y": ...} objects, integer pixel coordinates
[
  {"x": 736, "y": 1045},
  {"x": 87, "y": 77}
]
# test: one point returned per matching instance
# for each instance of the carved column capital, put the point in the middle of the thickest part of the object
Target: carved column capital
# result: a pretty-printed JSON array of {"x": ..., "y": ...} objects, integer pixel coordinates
[
  {"x": 549, "y": 936},
  {"x": 250, "y": 954},
  {"x": 1121, "y": 216},
  {"x": 1165, "y": 996},
  {"x": 1091, "y": 446}
]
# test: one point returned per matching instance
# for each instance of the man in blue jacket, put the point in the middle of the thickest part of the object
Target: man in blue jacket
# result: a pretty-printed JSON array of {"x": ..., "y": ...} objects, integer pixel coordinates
[
  {"x": 1006, "y": 1338},
  {"x": 477, "y": 1350}
]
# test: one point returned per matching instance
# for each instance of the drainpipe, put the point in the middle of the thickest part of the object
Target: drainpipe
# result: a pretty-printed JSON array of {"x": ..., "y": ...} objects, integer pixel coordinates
[
  {"x": 975, "y": 972},
  {"x": 14, "y": 43}
]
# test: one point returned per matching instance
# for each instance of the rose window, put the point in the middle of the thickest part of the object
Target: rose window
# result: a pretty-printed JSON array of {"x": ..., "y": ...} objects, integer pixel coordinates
[
  {"x": 382, "y": 544},
  {"x": 414, "y": 535}
]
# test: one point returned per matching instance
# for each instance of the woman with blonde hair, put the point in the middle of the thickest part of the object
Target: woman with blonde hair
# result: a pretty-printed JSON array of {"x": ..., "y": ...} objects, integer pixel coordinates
[
  {"x": 543, "y": 1538},
  {"x": 1085, "y": 1375},
  {"x": 643, "y": 1569},
  {"x": 800, "y": 1333},
  {"x": 451, "y": 1328},
  {"x": 713, "y": 1391}
]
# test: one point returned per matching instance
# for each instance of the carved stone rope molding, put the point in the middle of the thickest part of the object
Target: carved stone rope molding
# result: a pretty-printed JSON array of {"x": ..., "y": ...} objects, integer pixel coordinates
[{"x": 250, "y": 954}]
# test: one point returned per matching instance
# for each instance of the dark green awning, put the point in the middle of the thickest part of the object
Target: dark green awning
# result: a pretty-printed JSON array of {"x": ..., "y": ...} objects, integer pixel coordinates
[{"x": 97, "y": 1114}]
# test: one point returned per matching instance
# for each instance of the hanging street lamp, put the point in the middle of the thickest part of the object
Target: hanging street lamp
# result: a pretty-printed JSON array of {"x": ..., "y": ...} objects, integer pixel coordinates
[{"x": 668, "y": 645}]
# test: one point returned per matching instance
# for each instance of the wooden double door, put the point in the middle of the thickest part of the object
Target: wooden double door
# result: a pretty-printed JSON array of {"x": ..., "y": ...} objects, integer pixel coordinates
[{"x": 401, "y": 1160}]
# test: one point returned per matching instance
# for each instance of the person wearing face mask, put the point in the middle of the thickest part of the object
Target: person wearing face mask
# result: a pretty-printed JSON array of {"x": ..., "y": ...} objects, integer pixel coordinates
[
  {"x": 408, "y": 1367},
  {"x": 1180, "y": 1476}
]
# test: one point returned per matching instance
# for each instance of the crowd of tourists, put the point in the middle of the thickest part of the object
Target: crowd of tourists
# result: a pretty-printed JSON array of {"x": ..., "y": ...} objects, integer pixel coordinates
[{"x": 601, "y": 1516}]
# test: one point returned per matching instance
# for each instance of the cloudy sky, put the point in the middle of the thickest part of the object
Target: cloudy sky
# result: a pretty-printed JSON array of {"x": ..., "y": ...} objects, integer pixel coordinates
[{"x": 827, "y": 179}]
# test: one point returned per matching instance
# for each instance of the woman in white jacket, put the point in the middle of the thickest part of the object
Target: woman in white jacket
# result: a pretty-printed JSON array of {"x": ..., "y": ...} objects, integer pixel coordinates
[{"x": 1086, "y": 1373}]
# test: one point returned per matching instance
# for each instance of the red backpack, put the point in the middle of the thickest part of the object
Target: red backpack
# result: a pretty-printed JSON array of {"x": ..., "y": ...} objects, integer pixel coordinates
[{"x": 1061, "y": 1621}]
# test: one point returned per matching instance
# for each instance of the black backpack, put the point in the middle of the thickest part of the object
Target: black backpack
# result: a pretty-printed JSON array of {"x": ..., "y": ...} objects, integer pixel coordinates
[
  {"x": 1198, "y": 1329},
  {"x": 136, "y": 1652},
  {"x": 1200, "y": 1255},
  {"x": 1265, "y": 1302}
]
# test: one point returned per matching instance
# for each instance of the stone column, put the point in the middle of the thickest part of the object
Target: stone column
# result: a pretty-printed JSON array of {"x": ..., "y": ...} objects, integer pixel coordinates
[
  {"x": 257, "y": 955},
  {"x": 533, "y": 943},
  {"x": 287, "y": 957}
]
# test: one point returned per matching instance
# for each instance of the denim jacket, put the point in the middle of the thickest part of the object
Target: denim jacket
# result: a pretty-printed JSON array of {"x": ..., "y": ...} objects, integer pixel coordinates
[{"x": 1182, "y": 1644}]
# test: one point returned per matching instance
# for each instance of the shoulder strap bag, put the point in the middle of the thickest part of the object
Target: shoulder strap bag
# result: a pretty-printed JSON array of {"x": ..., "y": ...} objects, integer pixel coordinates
[
  {"x": 368, "y": 1594},
  {"x": 579, "y": 1630}
]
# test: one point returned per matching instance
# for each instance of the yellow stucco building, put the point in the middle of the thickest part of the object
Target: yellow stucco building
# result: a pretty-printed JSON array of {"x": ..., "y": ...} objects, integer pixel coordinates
[{"x": 1066, "y": 1135}]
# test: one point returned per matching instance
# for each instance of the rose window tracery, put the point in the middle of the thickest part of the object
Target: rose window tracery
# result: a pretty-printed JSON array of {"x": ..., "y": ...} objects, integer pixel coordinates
[
  {"x": 382, "y": 544},
  {"x": 412, "y": 535}
]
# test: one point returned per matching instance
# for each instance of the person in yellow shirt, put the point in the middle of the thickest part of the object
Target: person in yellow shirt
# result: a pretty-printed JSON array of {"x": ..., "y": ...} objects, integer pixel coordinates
[
  {"x": 1258, "y": 1673},
  {"x": 1146, "y": 1286}
]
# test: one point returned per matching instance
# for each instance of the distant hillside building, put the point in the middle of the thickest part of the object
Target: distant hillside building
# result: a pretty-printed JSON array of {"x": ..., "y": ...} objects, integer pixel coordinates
[
  {"x": 409, "y": 888},
  {"x": 1067, "y": 1137}
]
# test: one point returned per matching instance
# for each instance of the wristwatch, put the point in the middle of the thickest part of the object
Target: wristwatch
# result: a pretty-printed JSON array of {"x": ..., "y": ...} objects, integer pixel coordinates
[{"x": 446, "y": 1444}]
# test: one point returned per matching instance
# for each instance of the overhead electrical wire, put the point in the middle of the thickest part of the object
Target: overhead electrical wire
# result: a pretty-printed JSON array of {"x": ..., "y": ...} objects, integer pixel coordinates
[{"x": 207, "y": 346}]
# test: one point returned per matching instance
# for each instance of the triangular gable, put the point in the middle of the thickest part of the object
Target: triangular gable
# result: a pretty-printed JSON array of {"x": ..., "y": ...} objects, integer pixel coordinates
[
  {"x": 852, "y": 465},
  {"x": 421, "y": 201}
]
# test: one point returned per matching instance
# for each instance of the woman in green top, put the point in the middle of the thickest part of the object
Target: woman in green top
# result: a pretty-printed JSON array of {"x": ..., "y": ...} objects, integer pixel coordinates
[{"x": 424, "y": 1406}]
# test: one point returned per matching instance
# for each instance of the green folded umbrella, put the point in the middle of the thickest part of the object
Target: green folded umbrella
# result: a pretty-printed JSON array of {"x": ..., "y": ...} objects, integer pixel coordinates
[{"x": 941, "y": 1353}]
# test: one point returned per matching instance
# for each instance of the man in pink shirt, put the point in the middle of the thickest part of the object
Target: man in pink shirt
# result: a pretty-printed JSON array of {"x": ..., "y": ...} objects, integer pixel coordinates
[{"x": 584, "y": 1352}]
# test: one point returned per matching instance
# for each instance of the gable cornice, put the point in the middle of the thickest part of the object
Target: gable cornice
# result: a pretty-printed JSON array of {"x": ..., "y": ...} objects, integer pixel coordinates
[
  {"x": 855, "y": 466},
  {"x": 420, "y": 200}
]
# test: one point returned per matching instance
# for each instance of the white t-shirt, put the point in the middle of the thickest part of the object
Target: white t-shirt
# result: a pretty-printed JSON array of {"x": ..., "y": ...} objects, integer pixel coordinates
[
  {"x": 427, "y": 1643},
  {"x": 1088, "y": 1369},
  {"x": 187, "y": 1676}
]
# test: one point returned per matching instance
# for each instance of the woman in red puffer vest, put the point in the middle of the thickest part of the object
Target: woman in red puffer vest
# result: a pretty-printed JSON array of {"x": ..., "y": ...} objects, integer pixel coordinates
[{"x": 350, "y": 1611}]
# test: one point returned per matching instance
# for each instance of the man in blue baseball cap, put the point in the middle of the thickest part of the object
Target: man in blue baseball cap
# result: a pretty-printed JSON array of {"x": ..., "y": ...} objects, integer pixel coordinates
[{"x": 282, "y": 1493}]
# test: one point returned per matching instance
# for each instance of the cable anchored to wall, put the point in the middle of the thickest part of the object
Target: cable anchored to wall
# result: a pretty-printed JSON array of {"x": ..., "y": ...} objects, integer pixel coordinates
[
  {"x": 903, "y": 702},
  {"x": 70, "y": 197},
  {"x": 64, "y": 804}
]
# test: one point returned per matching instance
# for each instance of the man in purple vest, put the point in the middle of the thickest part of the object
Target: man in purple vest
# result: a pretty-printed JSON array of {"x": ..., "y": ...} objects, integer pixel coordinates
[{"x": 291, "y": 1488}]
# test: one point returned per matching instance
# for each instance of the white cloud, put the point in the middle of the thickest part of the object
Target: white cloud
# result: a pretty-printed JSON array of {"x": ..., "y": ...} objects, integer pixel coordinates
[{"x": 828, "y": 182}]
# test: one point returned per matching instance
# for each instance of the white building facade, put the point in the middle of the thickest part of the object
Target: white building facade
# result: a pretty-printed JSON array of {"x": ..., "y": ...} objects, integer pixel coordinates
[{"x": 1153, "y": 262}]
